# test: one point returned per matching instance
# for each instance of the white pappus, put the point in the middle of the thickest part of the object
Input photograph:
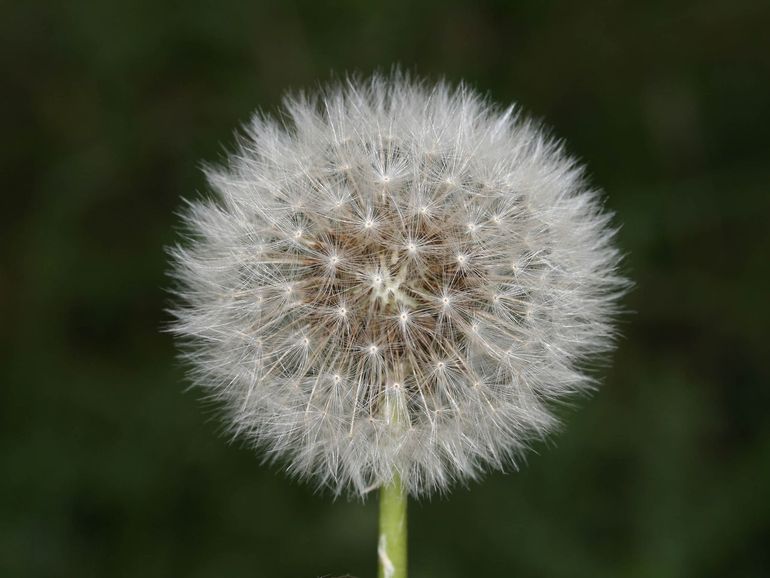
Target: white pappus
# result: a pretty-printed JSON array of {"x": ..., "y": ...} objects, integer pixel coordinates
[{"x": 398, "y": 277}]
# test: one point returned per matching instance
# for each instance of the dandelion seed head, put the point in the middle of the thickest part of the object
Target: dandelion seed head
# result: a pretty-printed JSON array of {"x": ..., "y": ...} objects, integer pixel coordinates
[{"x": 403, "y": 278}]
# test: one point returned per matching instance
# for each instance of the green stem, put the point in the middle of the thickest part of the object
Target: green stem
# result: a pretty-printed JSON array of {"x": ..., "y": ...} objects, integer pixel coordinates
[{"x": 391, "y": 548}]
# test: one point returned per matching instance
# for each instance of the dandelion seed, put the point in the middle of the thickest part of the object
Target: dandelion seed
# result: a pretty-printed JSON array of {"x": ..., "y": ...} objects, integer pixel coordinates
[{"x": 395, "y": 285}]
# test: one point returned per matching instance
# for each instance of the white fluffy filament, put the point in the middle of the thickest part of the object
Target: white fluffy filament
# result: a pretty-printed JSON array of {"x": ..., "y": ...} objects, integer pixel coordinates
[{"x": 398, "y": 245}]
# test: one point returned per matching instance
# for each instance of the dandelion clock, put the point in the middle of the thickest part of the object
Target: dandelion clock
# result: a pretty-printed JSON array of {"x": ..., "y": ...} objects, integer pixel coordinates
[{"x": 392, "y": 286}]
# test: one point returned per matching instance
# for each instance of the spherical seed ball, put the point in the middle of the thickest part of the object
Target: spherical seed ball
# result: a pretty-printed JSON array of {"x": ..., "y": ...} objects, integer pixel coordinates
[{"x": 398, "y": 278}]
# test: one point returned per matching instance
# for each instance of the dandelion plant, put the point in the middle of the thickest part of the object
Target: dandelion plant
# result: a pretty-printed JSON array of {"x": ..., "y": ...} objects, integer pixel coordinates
[{"x": 391, "y": 286}]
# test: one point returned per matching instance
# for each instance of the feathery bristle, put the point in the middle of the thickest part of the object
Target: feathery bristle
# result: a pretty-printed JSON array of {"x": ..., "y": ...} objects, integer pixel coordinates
[{"x": 400, "y": 281}]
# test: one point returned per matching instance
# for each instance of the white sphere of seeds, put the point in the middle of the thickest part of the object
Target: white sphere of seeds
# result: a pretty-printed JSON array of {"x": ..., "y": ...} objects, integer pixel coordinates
[{"x": 399, "y": 279}]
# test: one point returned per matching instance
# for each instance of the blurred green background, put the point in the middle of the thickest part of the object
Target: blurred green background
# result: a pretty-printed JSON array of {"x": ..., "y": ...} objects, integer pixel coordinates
[{"x": 109, "y": 468}]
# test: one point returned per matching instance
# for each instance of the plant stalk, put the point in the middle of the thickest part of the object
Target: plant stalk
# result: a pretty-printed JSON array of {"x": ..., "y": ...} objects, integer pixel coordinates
[{"x": 391, "y": 547}]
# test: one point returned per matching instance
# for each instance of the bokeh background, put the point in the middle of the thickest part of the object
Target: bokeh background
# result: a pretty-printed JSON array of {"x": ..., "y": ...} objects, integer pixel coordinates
[{"x": 108, "y": 467}]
